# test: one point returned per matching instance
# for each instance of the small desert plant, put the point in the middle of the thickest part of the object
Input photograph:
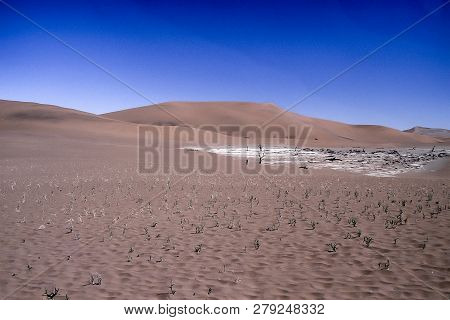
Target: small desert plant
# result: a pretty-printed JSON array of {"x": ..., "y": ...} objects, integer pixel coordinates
[
  {"x": 321, "y": 205},
  {"x": 352, "y": 221},
  {"x": 307, "y": 193},
  {"x": 338, "y": 218},
  {"x": 332, "y": 247},
  {"x": 367, "y": 241},
  {"x": 52, "y": 294},
  {"x": 95, "y": 279},
  {"x": 273, "y": 227},
  {"x": 216, "y": 224},
  {"x": 292, "y": 222},
  {"x": 198, "y": 248},
  {"x": 353, "y": 235},
  {"x": 384, "y": 265},
  {"x": 171, "y": 288},
  {"x": 313, "y": 225},
  {"x": 199, "y": 229},
  {"x": 423, "y": 244},
  {"x": 391, "y": 223},
  {"x": 256, "y": 244},
  {"x": 434, "y": 214},
  {"x": 400, "y": 219}
]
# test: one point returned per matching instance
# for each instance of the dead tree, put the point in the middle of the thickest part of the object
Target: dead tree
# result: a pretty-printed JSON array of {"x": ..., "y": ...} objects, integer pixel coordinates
[{"x": 261, "y": 153}]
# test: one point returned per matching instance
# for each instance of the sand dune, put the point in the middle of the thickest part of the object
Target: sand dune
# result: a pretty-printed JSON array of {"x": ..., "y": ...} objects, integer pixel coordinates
[
  {"x": 433, "y": 132},
  {"x": 324, "y": 132},
  {"x": 44, "y": 127},
  {"x": 440, "y": 134},
  {"x": 41, "y": 119}
]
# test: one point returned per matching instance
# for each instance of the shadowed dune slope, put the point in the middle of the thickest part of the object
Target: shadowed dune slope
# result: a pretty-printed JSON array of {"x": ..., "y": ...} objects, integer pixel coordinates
[
  {"x": 43, "y": 122},
  {"x": 323, "y": 133},
  {"x": 48, "y": 120}
]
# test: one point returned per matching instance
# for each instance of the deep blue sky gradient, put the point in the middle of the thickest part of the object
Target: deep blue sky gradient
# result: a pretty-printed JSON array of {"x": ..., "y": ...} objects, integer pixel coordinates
[{"x": 264, "y": 51}]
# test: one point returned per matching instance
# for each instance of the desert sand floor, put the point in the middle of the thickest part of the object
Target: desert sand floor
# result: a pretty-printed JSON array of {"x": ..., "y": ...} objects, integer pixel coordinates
[{"x": 78, "y": 217}]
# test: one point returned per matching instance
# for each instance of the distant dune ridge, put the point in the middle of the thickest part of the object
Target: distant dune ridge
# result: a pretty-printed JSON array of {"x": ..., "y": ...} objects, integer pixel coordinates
[
  {"x": 432, "y": 132},
  {"x": 47, "y": 119}
]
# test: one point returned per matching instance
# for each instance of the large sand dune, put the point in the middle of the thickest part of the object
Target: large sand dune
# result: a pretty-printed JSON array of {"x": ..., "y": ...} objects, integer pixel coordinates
[
  {"x": 41, "y": 119},
  {"x": 323, "y": 133},
  {"x": 38, "y": 120},
  {"x": 47, "y": 120}
]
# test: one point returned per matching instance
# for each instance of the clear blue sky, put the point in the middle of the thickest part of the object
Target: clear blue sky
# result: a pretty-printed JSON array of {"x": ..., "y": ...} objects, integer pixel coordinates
[{"x": 226, "y": 50}]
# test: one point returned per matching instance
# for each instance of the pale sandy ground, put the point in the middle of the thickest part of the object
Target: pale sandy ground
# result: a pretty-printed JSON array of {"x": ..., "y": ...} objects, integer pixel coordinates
[{"x": 71, "y": 207}]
